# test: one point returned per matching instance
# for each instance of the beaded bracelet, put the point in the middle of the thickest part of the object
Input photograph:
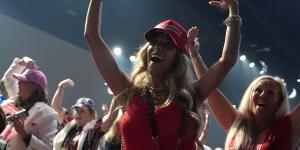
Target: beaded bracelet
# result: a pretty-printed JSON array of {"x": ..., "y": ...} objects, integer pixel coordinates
[{"x": 231, "y": 19}]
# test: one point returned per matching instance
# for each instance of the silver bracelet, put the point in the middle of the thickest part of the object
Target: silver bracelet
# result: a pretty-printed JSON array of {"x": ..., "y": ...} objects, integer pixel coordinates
[{"x": 231, "y": 19}]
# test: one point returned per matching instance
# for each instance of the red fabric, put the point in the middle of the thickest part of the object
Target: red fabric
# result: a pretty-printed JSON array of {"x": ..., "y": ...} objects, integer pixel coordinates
[
  {"x": 136, "y": 127},
  {"x": 9, "y": 130},
  {"x": 68, "y": 117},
  {"x": 278, "y": 138},
  {"x": 10, "y": 109}
]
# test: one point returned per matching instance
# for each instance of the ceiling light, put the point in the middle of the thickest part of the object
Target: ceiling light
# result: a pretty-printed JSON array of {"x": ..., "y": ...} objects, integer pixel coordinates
[
  {"x": 252, "y": 64},
  {"x": 243, "y": 57},
  {"x": 117, "y": 51}
]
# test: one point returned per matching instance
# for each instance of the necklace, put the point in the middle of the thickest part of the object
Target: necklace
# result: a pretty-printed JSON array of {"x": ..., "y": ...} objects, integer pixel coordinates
[{"x": 158, "y": 93}]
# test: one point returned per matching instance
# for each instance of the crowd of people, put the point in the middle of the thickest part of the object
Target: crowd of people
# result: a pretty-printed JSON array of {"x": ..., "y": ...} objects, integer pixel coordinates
[{"x": 162, "y": 105}]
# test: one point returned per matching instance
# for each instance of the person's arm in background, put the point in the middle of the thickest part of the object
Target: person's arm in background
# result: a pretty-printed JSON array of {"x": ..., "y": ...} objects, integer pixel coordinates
[
  {"x": 56, "y": 102},
  {"x": 10, "y": 85},
  {"x": 110, "y": 116},
  {"x": 219, "y": 104},
  {"x": 203, "y": 136},
  {"x": 217, "y": 72}
]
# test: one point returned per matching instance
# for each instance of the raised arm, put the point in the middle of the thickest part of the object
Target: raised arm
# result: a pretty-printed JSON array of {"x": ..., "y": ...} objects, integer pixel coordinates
[
  {"x": 111, "y": 115},
  {"x": 216, "y": 74},
  {"x": 18, "y": 66},
  {"x": 220, "y": 106},
  {"x": 114, "y": 77},
  {"x": 58, "y": 96}
]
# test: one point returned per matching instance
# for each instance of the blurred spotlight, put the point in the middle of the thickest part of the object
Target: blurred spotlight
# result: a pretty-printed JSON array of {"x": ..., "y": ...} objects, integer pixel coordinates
[
  {"x": 298, "y": 80},
  {"x": 283, "y": 81},
  {"x": 293, "y": 94},
  {"x": 243, "y": 57},
  {"x": 264, "y": 67},
  {"x": 252, "y": 64},
  {"x": 117, "y": 51},
  {"x": 108, "y": 89},
  {"x": 132, "y": 58}
]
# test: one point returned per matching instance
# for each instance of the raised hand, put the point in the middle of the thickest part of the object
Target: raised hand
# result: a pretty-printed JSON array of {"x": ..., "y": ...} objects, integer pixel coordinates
[
  {"x": 28, "y": 62},
  {"x": 223, "y": 4},
  {"x": 66, "y": 83},
  {"x": 193, "y": 43}
]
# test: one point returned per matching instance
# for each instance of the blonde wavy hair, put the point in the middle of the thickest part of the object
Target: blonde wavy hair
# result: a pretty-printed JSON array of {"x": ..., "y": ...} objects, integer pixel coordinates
[
  {"x": 179, "y": 83},
  {"x": 243, "y": 128}
]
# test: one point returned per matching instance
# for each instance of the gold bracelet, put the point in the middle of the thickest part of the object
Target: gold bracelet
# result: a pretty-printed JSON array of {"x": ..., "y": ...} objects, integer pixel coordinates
[{"x": 231, "y": 19}]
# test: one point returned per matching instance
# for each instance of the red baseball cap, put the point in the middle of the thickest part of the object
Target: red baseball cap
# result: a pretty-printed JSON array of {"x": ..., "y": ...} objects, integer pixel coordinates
[
  {"x": 32, "y": 75},
  {"x": 177, "y": 33}
]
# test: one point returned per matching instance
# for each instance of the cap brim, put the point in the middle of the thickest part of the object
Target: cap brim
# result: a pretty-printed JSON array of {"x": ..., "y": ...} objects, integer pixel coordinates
[
  {"x": 19, "y": 77},
  {"x": 77, "y": 105},
  {"x": 152, "y": 32}
]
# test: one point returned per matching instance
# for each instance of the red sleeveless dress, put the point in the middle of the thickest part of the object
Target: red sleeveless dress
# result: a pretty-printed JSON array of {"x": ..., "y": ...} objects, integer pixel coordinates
[{"x": 136, "y": 127}]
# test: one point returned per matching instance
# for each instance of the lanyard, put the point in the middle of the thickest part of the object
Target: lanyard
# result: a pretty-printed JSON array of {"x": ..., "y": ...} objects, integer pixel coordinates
[{"x": 153, "y": 122}]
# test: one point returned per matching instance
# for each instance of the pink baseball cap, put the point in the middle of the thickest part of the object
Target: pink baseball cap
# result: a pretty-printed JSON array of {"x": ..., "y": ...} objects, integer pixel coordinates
[
  {"x": 32, "y": 75},
  {"x": 177, "y": 33}
]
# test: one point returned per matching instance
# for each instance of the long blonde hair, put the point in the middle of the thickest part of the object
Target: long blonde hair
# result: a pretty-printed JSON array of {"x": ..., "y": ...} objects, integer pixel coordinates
[
  {"x": 179, "y": 83},
  {"x": 243, "y": 129}
]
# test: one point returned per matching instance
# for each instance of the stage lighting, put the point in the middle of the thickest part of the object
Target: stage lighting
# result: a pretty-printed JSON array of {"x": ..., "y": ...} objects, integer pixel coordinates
[
  {"x": 293, "y": 94},
  {"x": 108, "y": 89},
  {"x": 132, "y": 58},
  {"x": 264, "y": 67},
  {"x": 261, "y": 72},
  {"x": 117, "y": 51},
  {"x": 252, "y": 64},
  {"x": 243, "y": 57}
]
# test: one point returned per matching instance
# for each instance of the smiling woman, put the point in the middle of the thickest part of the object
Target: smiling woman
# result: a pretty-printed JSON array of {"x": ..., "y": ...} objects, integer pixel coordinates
[
  {"x": 265, "y": 107},
  {"x": 160, "y": 91},
  {"x": 81, "y": 130},
  {"x": 263, "y": 120},
  {"x": 37, "y": 130}
]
